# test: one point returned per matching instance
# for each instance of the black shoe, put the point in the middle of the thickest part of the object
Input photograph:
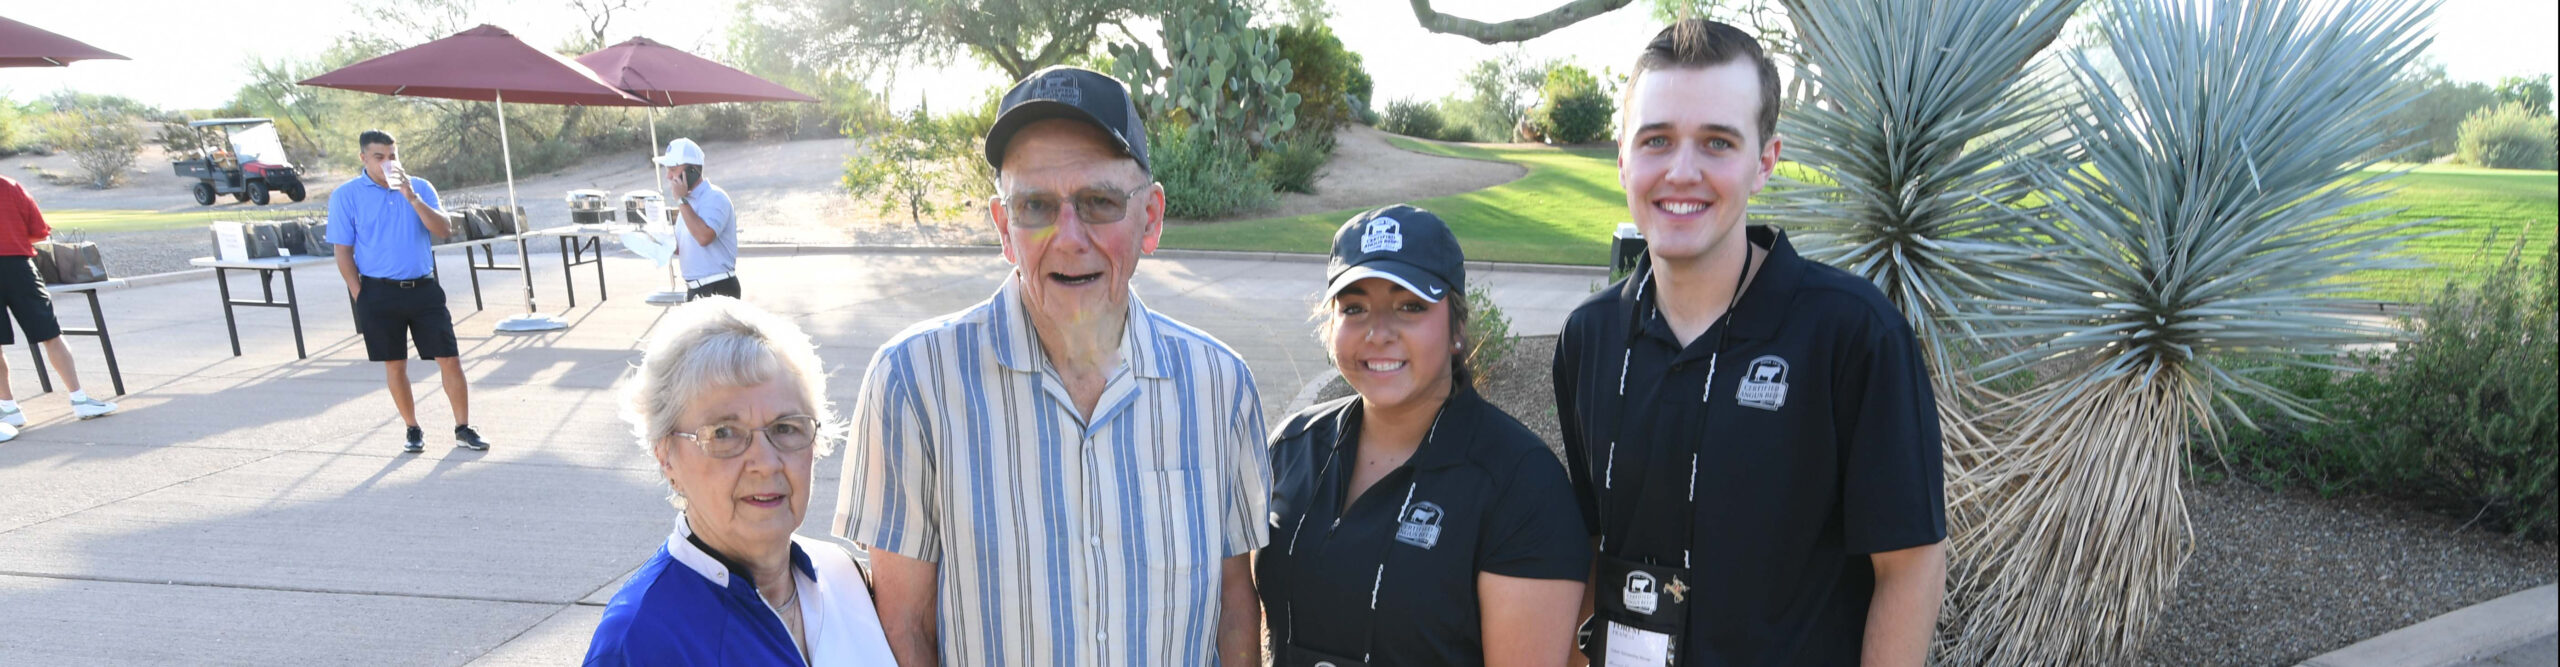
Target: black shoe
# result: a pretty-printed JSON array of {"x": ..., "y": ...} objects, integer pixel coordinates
[
  {"x": 417, "y": 441},
  {"x": 469, "y": 439}
]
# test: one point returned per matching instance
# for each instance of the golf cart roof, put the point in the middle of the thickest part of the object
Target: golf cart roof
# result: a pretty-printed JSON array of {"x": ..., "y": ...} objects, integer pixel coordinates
[{"x": 230, "y": 121}]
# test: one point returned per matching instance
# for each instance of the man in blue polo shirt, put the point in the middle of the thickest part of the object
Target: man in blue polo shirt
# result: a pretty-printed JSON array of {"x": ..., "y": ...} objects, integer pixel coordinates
[
  {"x": 1751, "y": 433},
  {"x": 384, "y": 223}
]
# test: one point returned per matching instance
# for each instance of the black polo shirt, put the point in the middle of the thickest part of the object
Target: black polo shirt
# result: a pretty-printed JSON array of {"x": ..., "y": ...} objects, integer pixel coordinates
[
  {"x": 1817, "y": 445},
  {"x": 1482, "y": 494}
]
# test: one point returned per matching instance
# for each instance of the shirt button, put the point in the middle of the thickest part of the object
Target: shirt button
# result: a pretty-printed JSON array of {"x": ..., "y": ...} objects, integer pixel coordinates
[
  {"x": 1095, "y": 540},
  {"x": 1101, "y": 636}
]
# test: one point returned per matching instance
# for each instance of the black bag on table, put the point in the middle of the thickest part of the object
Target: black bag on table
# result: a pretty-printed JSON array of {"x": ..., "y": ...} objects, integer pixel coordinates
[
  {"x": 483, "y": 226},
  {"x": 457, "y": 228},
  {"x": 316, "y": 234},
  {"x": 293, "y": 238},
  {"x": 262, "y": 239},
  {"x": 506, "y": 222}
]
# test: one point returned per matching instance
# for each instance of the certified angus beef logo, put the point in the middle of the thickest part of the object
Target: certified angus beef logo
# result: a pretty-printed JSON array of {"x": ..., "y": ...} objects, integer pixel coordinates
[
  {"x": 1420, "y": 525},
  {"x": 1640, "y": 595},
  {"x": 1382, "y": 234},
  {"x": 1764, "y": 384}
]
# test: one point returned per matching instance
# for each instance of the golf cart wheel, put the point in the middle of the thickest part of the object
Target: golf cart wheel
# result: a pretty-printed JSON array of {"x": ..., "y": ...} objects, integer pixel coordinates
[
  {"x": 294, "y": 192},
  {"x": 258, "y": 192},
  {"x": 204, "y": 194}
]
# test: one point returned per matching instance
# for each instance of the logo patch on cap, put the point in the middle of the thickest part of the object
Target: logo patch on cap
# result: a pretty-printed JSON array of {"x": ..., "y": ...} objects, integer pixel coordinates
[
  {"x": 1058, "y": 86},
  {"x": 1383, "y": 234}
]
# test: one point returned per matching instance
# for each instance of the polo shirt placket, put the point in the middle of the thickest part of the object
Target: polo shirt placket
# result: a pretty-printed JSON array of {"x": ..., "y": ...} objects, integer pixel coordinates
[{"x": 1816, "y": 444}]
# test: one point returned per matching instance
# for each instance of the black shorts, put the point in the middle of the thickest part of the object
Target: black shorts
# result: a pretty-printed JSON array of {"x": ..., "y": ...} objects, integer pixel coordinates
[
  {"x": 390, "y": 315},
  {"x": 22, "y": 293},
  {"x": 727, "y": 287}
]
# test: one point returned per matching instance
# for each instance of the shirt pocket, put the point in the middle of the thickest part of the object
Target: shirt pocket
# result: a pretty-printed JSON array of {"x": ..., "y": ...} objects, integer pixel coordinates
[{"x": 1181, "y": 512}]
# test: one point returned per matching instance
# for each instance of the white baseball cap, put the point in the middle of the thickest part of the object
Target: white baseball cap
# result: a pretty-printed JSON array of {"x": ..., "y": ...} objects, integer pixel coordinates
[{"x": 681, "y": 151}]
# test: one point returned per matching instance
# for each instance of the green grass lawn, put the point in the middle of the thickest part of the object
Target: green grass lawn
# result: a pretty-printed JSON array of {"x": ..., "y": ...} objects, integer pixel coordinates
[
  {"x": 1563, "y": 211},
  {"x": 111, "y": 221}
]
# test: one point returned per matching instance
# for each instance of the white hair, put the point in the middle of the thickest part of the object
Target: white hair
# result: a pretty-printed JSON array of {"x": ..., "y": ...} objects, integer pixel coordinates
[{"x": 721, "y": 342}]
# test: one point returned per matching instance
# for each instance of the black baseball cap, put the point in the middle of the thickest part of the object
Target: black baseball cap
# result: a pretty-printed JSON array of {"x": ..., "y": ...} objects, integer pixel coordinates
[
  {"x": 1405, "y": 245},
  {"x": 1060, "y": 91}
]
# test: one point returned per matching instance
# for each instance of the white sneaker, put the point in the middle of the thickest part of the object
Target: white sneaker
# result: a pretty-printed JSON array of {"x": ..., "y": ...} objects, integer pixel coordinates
[
  {"x": 8, "y": 433},
  {"x": 92, "y": 408},
  {"x": 12, "y": 416}
]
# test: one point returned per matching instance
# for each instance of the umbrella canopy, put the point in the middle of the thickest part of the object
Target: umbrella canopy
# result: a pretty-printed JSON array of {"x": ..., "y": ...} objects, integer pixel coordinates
[
  {"x": 485, "y": 63},
  {"x": 667, "y": 76},
  {"x": 23, "y": 45}
]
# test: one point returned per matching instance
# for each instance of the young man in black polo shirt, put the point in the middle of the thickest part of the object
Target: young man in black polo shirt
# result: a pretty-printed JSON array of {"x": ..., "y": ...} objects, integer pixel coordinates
[{"x": 1751, "y": 435}]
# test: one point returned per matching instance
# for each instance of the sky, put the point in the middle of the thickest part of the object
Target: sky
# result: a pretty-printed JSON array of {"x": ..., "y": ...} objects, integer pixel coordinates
[{"x": 176, "y": 63}]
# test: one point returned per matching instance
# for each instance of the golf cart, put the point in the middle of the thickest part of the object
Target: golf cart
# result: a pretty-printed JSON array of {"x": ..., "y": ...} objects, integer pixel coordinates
[{"x": 247, "y": 162}]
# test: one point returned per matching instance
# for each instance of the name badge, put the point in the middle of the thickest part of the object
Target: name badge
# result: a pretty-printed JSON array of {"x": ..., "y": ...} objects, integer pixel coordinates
[
  {"x": 1420, "y": 525},
  {"x": 1632, "y": 647}
]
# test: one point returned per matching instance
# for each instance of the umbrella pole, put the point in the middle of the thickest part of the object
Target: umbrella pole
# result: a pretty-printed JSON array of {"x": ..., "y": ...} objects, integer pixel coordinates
[{"x": 532, "y": 319}]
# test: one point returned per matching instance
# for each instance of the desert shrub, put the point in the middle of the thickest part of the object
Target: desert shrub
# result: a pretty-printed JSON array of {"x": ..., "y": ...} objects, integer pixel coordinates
[
  {"x": 102, "y": 141},
  {"x": 1573, "y": 108},
  {"x": 2506, "y": 136},
  {"x": 1488, "y": 335},
  {"x": 1204, "y": 176},
  {"x": 1413, "y": 119},
  {"x": 1294, "y": 164}
]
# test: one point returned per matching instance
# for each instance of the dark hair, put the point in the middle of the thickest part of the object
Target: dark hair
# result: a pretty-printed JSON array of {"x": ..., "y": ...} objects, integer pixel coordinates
[
  {"x": 1700, "y": 43},
  {"x": 1459, "y": 348},
  {"x": 373, "y": 137}
]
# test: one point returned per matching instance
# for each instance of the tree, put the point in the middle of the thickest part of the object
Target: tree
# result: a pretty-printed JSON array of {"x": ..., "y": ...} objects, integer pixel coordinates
[
  {"x": 1017, "y": 36},
  {"x": 1573, "y": 107},
  {"x": 2429, "y": 126},
  {"x": 911, "y": 162},
  {"x": 1504, "y": 88},
  {"x": 102, "y": 140},
  {"x": 1516, "y": 30},
  {"x": 2532, "y": 92}
]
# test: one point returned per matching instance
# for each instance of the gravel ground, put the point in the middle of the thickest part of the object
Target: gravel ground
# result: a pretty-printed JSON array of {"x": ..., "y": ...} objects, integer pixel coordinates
[{"x": 2276, "y": 579}]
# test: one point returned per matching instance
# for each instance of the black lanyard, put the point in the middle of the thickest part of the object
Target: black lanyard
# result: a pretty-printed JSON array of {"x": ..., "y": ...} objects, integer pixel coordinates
[
  {"x": 1651, "y": 483},
  {"x": 1378, "y": 577}
]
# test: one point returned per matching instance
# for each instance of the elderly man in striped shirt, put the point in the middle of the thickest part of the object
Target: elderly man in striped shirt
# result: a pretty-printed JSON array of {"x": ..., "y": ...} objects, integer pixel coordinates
[{"x": 1058, "y": 475}]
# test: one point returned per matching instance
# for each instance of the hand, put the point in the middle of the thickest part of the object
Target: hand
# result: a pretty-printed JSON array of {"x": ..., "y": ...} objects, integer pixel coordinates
[{"x": 354, "y": 290}]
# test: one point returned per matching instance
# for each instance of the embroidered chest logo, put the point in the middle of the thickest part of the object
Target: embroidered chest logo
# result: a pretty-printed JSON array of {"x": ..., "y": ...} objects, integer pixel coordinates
[
  {"x": 1640, "y": 595},
  {"x": 1764, "y": 384},
  {"x": 1382, "y": 234},
  {"x": 1420, "y": 525}
]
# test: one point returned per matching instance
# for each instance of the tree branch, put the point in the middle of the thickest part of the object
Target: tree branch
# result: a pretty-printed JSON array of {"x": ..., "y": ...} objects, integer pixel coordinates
[{"x": 1515, "y": 30}]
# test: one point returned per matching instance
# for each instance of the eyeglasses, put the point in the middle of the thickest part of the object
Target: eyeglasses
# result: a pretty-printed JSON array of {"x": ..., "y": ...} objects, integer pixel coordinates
[
  {"x": 729, "y": 439},
  {"x": 1094, "y": 206}
]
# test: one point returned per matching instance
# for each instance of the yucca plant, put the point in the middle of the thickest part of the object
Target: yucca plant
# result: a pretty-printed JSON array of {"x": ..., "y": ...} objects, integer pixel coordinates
[
  {"x": 1927, "y": 110},
  {"x": 2202, "y": 228}
]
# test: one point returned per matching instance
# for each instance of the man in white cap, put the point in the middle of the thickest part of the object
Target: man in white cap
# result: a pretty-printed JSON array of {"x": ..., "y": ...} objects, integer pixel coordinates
[{"x": 707, "y": 234}]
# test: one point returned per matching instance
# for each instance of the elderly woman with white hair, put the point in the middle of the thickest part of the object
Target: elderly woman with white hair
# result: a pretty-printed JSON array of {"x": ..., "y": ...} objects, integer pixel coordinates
[{"x": 729, "y": 401}]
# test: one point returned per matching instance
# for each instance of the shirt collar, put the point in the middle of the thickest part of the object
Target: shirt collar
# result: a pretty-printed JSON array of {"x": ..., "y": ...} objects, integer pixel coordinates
[
  {"x": 1764, "y": 301},
  {"x": 361, "y": 177},
  {"x": 1448, "y": 444},
  {"x": 717, "y": 568},
  {"x": 1018, "y": 346}
]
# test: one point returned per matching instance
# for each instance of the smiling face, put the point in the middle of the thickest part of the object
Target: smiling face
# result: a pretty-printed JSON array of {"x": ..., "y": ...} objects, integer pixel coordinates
[
  {"x": 746, "y": 504},
  {"x": 1391, "y": 345},
  {"x": 1075, "y": 273},
  {"x": 1691, "y": 158}
]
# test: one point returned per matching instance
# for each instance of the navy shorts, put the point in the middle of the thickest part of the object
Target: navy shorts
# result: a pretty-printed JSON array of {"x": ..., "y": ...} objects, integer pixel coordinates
[
  {"x": 393, "y": 313},
  {"x": 22, "y": 293}
]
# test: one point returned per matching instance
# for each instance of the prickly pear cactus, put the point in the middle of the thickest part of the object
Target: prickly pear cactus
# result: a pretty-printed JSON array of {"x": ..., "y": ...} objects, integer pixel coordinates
[{"x": 1217, "y": 71}]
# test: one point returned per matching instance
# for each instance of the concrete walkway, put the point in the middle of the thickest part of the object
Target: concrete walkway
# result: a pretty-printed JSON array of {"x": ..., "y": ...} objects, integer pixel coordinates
[{"x": 256, "y": 509}]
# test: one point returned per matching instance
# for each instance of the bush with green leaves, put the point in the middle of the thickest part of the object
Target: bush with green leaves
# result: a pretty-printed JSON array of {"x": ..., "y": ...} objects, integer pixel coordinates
[
  {"x": 1323, "y": 75},
  {"x": 1294, "y": 164},
  {"x": 2465, "y": 415},
  {"x": 2506, "y": 136},
  {"x": 1412, "y": 118},
  {"x": 1205, "y": 176},
  {"x": 1488, "y": 335},
  {"x": 916, "y": 163},
  {"x": 1573, "y": 108},
  {"x": 104, "y": 142}
]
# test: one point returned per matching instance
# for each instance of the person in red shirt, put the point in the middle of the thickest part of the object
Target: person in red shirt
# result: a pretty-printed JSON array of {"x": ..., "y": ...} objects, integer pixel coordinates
[{"x": 23, "y": 295}]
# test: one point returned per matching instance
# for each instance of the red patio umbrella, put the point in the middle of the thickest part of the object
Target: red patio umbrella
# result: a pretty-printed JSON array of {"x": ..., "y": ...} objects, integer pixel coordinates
[
  {"x": 23, "y": 45},
  {"x": 489, "y": 64},
  {"x": 667, "y": 76}
]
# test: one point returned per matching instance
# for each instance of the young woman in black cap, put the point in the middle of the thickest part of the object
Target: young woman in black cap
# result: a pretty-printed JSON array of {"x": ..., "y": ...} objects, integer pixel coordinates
[{"x": 1414, "y": 523}]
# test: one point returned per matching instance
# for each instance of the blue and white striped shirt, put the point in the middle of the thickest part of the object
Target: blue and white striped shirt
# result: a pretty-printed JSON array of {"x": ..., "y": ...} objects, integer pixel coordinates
[{"x": 1060, "y": 540}]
